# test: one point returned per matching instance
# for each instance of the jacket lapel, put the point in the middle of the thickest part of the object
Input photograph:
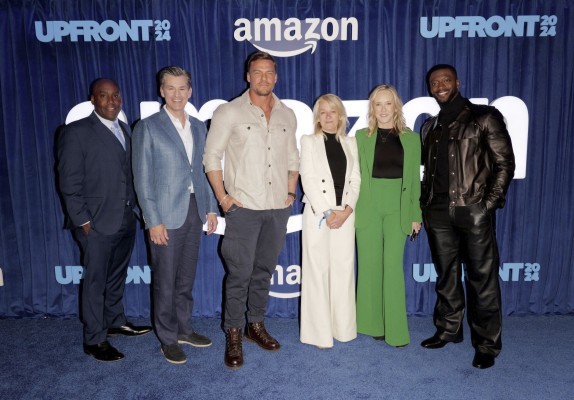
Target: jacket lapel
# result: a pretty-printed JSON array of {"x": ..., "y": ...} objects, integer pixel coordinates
[
  {"x": 107, "y": 137},
  {"x": 368, "y": 153},
  {"x": 171, "y": 132},
  {"x": 349, "y": 156},
  {"x": 321, "y": 152}
]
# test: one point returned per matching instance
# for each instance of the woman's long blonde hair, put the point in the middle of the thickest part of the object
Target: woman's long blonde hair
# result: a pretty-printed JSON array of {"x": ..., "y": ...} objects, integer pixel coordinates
[
  {"x": 399, "y": 123},
  {"x": 335, "y": 102}
]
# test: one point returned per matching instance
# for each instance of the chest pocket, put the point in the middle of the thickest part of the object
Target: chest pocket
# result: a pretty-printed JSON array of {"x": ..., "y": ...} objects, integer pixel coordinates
[
  {"x": 241, "y": 133},
  {"x": 471, "y": 131}
]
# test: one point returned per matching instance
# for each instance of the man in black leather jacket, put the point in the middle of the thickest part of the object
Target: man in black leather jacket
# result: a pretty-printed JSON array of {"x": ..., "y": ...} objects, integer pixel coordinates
[{"x": 468, "y": 165}]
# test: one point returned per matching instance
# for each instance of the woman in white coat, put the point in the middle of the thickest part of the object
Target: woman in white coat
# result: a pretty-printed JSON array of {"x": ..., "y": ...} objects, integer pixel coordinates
[{"x": 330, "y": 176}]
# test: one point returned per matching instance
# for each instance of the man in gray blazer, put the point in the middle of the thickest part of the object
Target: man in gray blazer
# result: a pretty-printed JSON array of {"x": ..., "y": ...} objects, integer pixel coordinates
[{"x": 176, "y": 201}]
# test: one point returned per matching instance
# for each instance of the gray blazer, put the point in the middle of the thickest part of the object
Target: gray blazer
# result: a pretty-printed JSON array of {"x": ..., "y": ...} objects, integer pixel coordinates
[{"x": 162, "y": 172}]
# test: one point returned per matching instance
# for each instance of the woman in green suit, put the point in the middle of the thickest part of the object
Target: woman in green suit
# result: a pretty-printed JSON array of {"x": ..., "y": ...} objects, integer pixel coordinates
[{"x": 387, "y": 211}]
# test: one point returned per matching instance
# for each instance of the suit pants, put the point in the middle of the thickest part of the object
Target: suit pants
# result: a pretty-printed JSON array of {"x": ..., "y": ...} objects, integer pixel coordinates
[
  {"x": 174, "y": 267},
  {"x": 381, "y": 301},
  {"x": 251, "y": 245},
  {"x": 465, "y": 235},
  {"x": 327, "y": 281},
  {"x": 105, "y": 260}
]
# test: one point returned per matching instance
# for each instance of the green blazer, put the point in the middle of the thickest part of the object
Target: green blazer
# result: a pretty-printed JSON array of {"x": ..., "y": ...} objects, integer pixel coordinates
[{"x": 411, "y": 183}]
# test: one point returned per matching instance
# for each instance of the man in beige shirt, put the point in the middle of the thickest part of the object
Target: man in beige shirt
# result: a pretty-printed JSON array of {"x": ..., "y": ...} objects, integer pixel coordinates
[{"x": 256, "y": 134}]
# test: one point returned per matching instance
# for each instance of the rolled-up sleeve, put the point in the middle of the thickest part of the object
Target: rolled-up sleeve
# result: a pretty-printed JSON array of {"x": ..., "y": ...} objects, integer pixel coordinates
[{"x": 216, "y": 142}]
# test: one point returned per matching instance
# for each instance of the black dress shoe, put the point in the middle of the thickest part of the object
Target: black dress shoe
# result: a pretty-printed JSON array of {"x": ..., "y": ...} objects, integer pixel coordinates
[
  {"x": 482, "y": 360},
  {"x": 103, "y": 351},
  {"x": 435, "y": 342},
  {"x": 379, "y": 337},
  {"x": 129, "y": 330}
]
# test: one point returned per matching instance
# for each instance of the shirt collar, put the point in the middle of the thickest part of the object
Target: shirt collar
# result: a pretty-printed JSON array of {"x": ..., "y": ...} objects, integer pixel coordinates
[
  {"x": 175, "y": 120},
  {"x": 107, "y": 122}
]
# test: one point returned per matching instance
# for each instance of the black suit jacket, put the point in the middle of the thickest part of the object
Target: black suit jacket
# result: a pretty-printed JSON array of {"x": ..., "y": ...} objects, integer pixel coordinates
[{"x": 95, "y": 175}]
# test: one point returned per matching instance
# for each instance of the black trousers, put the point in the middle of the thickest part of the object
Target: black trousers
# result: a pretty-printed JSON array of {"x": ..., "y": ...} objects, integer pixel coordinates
[
  {"x": 174, "y": 267},
  {"x": 466, "y": 235},
  {"x": 105, "y": 260}
]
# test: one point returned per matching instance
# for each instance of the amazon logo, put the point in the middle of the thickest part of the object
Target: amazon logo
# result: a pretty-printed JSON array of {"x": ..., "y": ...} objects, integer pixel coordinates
[{"x": 294, "y": 36}]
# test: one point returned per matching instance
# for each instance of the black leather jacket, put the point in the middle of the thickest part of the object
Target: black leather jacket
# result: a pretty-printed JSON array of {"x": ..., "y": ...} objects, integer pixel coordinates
[{"x": 480, "y": 157}]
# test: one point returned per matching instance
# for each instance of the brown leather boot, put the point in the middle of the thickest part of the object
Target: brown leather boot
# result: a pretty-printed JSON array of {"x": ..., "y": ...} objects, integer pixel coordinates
[
  {"x": 256, "y": 332},
  {"x": 233, "y": 349}
]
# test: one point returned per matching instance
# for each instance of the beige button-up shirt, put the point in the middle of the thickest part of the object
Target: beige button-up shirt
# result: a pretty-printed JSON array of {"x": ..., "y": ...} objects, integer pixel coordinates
[{"x": 258, "y": 155}]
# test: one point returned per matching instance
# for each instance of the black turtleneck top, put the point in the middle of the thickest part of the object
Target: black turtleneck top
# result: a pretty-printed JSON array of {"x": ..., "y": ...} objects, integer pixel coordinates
[
  {"x": 337, "y": 164},
  {"x": 388, "y": 159},
  {"x": 448, "y": 113}
]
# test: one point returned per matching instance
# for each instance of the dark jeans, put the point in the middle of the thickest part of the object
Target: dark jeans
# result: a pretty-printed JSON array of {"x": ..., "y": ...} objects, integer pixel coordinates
[
  {"x": 466, "y": 235},
  {"x": 251, "y": 245}
]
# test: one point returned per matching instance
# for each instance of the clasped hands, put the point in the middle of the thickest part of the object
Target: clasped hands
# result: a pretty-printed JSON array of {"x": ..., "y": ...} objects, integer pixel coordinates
[{"x": 337, "y": 218}]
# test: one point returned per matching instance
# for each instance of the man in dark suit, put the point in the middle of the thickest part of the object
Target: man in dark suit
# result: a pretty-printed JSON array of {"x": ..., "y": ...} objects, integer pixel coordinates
[
  {"x": 176, "y": 200},
  {"x": 95, "y": 179}
]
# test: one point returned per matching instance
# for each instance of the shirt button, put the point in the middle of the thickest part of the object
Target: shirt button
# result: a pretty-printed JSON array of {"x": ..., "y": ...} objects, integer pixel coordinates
[
  {"x": 270, "y": 183},
  {"x": 324, "y": 191},
  {"x": 262, "y": 115},
  {"x": 322, "y": 180}
]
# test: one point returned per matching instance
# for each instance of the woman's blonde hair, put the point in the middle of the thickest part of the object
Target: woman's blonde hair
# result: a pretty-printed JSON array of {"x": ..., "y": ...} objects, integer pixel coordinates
[
  {"x": 336, "y": 103},
  {"x": 399, "y": 123}
]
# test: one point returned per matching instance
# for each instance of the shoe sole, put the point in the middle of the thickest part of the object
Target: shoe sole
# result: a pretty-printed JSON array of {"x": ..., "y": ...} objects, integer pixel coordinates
[
  {"x": 233, "y": 367},
  {"x": 194, "y": 344},
  {"x": 128, "y": 333},
  {"x": 173, "y": 361},
  {"x": 482, "y": 366},
  {"x": 258, "y": 344},
  {"x": 106, "y": 361},
  {"x": 440, "y": 347}
]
